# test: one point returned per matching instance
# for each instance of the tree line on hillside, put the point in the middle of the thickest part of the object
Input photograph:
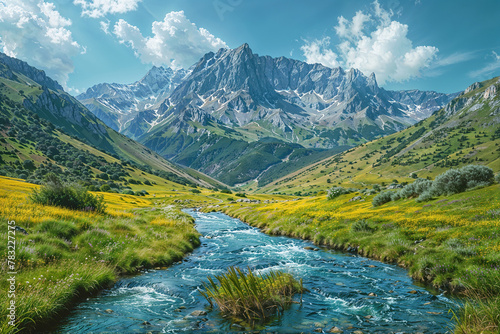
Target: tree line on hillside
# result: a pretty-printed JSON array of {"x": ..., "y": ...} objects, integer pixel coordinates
[
  {"x": 450, "y": 182},
  {"x": 32, "y": 135}
]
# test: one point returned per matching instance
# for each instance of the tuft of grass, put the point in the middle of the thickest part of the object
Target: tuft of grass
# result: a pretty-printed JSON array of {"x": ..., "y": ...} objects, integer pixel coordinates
[
  {"x": 480, "y": 314},
  {"x": 361, "y": 226},
  {"x": 251, "y": 296}
]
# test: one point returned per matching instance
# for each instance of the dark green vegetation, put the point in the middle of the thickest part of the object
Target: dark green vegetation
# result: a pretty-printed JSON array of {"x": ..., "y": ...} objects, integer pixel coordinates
[
  {"x": 230, "y": 157},
  {"x": 73, "y": 197},
  {"x": 251, "y": 296},
  {"x": 43, "y": 129},
  {"x": 466, "y": 131},
  {"x": 453, "y": 181}
]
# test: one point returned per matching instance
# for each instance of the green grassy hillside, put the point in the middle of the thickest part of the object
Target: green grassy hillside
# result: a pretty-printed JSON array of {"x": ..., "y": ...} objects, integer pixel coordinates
[
  {"x": 48, "y": 126},
  {"x": 31, "y": 147},
  {"x": 230, "y": 155}
]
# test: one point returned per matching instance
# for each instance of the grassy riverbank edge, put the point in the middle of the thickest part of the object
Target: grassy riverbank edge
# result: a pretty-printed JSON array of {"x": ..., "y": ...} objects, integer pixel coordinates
[
  {"x": 453, "y": 247},
  {"x": 45, "y": 294},
  {"x": 68, "y": 255}
]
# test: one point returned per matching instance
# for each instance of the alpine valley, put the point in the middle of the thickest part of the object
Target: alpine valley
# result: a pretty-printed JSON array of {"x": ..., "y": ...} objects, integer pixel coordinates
[
  {"x": 315, "y": 153},
  {"x": 238, "y": 116},
  {"x": 50, "y": 131}
]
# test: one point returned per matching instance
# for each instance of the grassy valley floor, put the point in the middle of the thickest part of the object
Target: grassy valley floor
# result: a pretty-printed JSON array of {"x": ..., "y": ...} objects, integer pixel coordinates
[{"x": 450, "y": 242}]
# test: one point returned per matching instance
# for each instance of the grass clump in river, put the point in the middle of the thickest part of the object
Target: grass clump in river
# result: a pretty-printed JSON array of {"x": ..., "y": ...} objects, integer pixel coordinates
[{"x": 251, "y": 296}]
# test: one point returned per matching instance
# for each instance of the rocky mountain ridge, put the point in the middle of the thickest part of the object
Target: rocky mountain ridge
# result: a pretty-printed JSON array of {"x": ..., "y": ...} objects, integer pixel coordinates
[{"x": 237, "y": 97}]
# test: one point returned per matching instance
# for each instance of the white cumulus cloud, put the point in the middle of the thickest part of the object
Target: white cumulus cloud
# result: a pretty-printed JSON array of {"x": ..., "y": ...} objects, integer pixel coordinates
[
  {"x": 100, "y": 8},
  {"x": 34, "y": 31},
  {"x": 105, "y": 27},
  {"x": 175, "y": 41},
  {"x": 373, "y": 42},
  {"x": 317, "y": 51}
]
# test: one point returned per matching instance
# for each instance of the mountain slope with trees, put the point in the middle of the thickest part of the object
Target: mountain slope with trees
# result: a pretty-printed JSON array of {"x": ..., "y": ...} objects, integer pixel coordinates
[
  {"x": 44, "y": 128},
  {"x": 465, "y": 131}
]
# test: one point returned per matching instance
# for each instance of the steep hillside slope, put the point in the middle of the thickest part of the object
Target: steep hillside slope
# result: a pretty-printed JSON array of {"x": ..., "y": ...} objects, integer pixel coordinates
[
  {"x": 465, "y": 131},
  {"x": 25, "y": 90}
]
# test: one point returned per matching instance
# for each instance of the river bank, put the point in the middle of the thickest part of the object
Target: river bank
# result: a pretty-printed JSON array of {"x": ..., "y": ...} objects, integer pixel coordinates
[
  {"x": 63, "y": 256},
  {"x": 348, "y": 292}
]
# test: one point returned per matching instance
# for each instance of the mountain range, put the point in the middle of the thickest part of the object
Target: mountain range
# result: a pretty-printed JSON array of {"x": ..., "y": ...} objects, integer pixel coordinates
[{"x": 255, "y": 106}]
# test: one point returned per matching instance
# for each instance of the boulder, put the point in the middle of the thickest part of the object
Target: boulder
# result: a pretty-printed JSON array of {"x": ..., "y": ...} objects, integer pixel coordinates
[{"x": 198, "y": 313}]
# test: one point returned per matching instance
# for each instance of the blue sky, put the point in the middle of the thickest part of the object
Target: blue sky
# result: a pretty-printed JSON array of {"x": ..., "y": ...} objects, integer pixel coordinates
[{"x": 425, "y": 44}]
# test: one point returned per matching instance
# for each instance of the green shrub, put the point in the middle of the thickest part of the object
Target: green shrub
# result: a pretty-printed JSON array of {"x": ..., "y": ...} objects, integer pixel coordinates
[
  {"x": 477, "y": 174},
  {"x": 105, "y": 188},
  {"x": 240, "y": 195},
  {"x": 458, "y": 180},
  {"x": 382, "y": 198},
  {"x": 425, "y": 196},
  {"x": 497, "y": 178},
  {"x": 195, "y": 191},
  {"x": 450, "y": 182},
  {"x": 396, "y": 196},
  {"x": 415, "y": 188},
  {"x": 73, "y": 197},
  {"x": 226, "y": 191},
  {"x": 477, "y": 185},
  {"x": 337, "y": 191},
  {"x": 128, "y": 192},
  {"x": 362, "y": 226}
]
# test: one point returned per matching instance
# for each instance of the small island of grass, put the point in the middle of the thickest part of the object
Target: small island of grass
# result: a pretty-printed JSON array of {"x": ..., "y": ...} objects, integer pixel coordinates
[{"x": 251, "y": 296}]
